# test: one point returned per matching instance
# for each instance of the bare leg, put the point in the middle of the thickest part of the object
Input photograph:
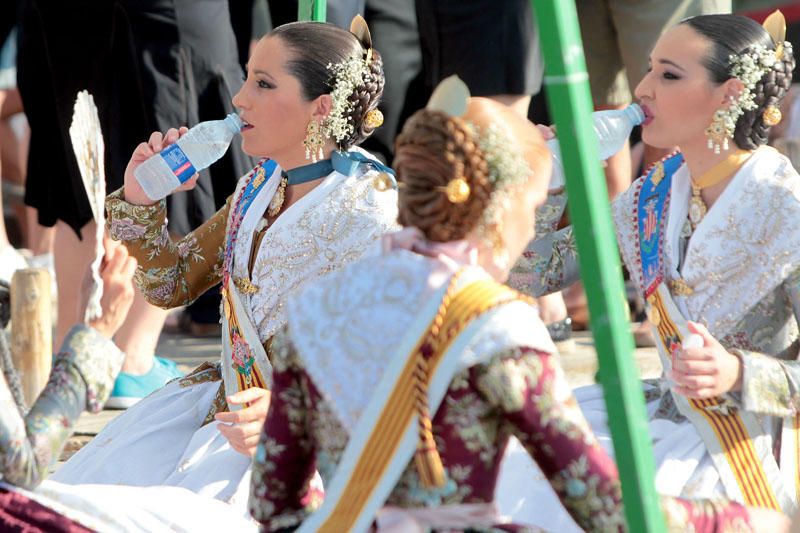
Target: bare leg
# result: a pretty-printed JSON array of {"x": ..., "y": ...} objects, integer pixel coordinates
[
  {"x": 139, "y": 334},
  {"x": 8, "y": 151}
]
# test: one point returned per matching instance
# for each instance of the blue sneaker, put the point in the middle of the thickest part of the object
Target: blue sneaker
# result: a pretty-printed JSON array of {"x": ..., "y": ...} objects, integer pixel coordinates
[{"x": 129, "y": 388}]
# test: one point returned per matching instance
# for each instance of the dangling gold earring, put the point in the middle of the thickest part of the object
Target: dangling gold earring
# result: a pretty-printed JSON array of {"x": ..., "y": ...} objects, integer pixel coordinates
[
  {"x": 721, "y": 129},
  {"x": 314, "y": 141}
]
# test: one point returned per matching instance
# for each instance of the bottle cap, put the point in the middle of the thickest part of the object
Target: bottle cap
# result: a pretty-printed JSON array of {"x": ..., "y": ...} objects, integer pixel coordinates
[{"x": 234, "y": 123}]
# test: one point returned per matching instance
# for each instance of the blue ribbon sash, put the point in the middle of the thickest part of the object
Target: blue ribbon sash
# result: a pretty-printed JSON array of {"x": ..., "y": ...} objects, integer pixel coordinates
[{"x": 651, "y": 220}]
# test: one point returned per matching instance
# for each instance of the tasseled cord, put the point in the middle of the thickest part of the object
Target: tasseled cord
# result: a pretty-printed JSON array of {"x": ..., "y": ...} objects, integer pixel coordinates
[{"x": 427, "y": 459}]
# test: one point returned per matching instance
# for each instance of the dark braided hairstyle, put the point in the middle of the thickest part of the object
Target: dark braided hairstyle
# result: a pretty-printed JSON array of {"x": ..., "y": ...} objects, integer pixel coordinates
[
  {"x": 735, "y": 35},
  {"x": 315, "y": 45},
  {"x": 433, "y": 149},
  {"x": 6, "y": 364}
]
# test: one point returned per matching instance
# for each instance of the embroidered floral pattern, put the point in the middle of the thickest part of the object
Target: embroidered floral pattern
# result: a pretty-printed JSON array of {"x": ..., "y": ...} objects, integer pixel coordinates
[
  {"x": 472, "y": 425},
  {"x": 82, "y": 377},
  {"x": 170, "y": 274}
]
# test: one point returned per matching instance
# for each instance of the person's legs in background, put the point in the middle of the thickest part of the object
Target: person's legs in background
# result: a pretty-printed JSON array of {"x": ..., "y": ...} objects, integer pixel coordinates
[{"x": 11, "y": 145}]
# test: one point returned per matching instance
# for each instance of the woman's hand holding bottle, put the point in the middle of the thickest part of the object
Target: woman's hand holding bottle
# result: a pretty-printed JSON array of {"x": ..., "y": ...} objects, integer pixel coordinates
[{"x": 134, "y": 193}]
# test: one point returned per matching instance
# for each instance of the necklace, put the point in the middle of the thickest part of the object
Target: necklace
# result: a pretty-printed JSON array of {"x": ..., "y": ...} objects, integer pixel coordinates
[
  {"x": 719, "y": 172},
  {"x": 276, "y": 204},
  {"x": 296, "y": 176}
]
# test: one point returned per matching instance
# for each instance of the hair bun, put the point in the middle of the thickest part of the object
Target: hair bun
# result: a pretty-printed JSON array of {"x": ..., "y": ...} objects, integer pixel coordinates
[{"x": 433, "y": 152}]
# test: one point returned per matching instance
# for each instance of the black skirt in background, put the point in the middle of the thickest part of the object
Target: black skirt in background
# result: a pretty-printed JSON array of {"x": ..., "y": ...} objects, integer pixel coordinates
[
  {"x": 150, "y": 65},
  {"x": 490, "y": 44}
]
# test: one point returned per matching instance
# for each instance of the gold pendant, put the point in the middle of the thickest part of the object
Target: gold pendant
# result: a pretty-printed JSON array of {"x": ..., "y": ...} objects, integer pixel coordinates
[
  {"x": 697, "y": 208},
  {"x": 276, "y": 204},
  {"x": 260, "y": 177},
  {"x": 653, "y": 315},
  {"x": 245, "y": 286},
  {"x": 658, "y": 174}
]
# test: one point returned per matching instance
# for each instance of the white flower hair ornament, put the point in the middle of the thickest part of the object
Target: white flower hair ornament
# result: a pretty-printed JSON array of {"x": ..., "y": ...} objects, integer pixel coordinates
[
  {"x": 346, "y": 76},
  {"x": 749, "y": 67}
]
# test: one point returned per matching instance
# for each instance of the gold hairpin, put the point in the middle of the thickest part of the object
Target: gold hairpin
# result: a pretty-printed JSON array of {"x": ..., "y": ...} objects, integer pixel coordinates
[
  {"x": 771, "y": 116},
  {"x": 374, "y": 119},
  {"x": 457, "y": 190}
]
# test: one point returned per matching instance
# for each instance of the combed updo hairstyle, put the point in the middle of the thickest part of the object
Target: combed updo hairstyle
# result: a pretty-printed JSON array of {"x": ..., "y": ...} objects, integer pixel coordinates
[
  {"x": 432, "y": 150},
  {"x": 314, "y": 46},
  {"x": 735, "y": 35}
]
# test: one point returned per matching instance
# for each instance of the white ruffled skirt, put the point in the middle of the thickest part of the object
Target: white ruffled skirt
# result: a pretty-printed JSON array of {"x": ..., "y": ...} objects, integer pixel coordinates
[
  {"x": 160, "y": 442},
  {"x": 684, "y": 468},
  {"x": 114, "y": 508}
]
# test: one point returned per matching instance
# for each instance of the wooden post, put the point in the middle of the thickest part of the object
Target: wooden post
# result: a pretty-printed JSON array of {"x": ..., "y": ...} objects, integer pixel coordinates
[{"x": 32, "y": 329}]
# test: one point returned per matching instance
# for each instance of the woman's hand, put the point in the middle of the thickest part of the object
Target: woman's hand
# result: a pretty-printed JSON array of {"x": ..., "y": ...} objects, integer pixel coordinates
[
  {"x": 245, "y": 424},
  {"x": 706, "y": 371},
  {"x": 548, "y": 132},
  {"x": 134, "y": 194},
  {"x": 117, "y": 272}
]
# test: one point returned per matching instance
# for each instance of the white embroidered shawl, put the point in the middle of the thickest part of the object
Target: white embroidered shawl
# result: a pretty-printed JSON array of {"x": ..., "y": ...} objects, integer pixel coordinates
[
  {"x": 330, "y": 226},
  {"x": 348, "y": 326},
  {"x": 744, "y": 248}
]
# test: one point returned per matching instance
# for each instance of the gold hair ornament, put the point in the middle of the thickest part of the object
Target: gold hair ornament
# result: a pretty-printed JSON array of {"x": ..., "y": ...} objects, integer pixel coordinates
[
  {"x": 457, "y": 190},
  {"x": 347, "y": 75},
  {"x": 359, "y": 28},
  {"x": 749, "y": 67},
  {"x": 374, "y": 119},
  {"x": 775, "y": 24},
  {"x": 771, "y": 116}
]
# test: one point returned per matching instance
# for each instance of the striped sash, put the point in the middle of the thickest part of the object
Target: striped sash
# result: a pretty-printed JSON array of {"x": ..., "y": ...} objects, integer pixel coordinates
[
  {"x": 738, "y": 444},
  {"x": 385, "y": 438}
]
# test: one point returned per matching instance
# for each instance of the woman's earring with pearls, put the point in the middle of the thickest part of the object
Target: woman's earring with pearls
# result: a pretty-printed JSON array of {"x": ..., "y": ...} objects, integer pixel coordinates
[
  {"x": 722, "y": 128},
  {"x": 314, "y": 141}
]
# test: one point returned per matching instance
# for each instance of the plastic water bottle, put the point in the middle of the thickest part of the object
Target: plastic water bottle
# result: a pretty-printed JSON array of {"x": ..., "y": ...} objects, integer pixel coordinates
[
  {"x": 196, "y": 150},
  {"x": 612, "y": 128}
]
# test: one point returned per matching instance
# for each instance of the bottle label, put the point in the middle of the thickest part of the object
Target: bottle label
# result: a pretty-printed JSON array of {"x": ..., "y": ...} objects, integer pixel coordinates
[{"x": 178, "y": 162}]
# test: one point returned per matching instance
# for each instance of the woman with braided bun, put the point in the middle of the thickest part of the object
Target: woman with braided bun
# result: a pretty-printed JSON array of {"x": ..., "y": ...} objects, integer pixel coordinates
[
  {"x": 402, "y": 377},
  {"x": 711, "y": 236},
  {"x": 315, "y": 203}
]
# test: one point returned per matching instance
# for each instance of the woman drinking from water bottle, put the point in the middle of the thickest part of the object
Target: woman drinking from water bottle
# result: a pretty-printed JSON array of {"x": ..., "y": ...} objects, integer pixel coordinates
[
  {"x": 711, "y": 236},
  {"x": 316, "y": 203}
]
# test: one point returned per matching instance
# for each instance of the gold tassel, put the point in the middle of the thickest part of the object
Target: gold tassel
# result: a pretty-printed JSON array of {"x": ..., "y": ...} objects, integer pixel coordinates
[
  {"x": 430, "y": 467},
  {"x": 427, "y": 459}
]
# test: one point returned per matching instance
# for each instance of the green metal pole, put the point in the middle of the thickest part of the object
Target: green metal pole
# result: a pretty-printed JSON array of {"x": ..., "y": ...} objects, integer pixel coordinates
[
  {"x": 570, "y": 105},
  {"x": 315, "y": 10}
]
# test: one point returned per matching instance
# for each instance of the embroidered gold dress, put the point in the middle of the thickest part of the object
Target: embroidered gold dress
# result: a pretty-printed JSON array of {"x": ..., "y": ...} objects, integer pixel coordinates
[
  {"x": 166, "y": 439},
  {"x": 739, "y": 273},
  {"x": 508, "y": 384}
]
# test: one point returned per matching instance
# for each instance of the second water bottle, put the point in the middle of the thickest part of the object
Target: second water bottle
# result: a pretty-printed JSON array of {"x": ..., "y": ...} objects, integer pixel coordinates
[{"x": 612, "y": 128}]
